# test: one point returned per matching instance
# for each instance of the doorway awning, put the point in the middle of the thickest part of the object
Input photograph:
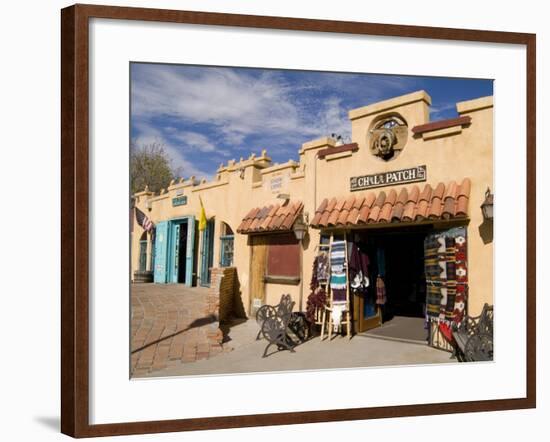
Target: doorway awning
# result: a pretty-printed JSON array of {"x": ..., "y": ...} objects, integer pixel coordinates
[
  {"x": 271, "y": 218},
  {"x": 446, "y": 201}
]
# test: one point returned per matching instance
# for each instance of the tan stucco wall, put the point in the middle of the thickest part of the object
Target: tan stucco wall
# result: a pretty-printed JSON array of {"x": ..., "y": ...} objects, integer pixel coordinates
[{"x": 449, "y": 154}]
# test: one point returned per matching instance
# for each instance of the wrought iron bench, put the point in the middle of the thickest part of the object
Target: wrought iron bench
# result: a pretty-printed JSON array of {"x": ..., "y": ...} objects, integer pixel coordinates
[
  {"x": 280, "y": 326},
  {"x": 474, "y": 337}
]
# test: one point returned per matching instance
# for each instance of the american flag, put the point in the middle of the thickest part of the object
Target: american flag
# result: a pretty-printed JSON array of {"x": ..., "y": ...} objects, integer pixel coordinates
[{"x": 143, "y": 221}]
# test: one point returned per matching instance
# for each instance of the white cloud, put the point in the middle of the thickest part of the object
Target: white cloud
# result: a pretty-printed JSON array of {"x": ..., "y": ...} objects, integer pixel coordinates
[
  {"x": 237, "y": 105},
  {"x": 149, "y": 134}
]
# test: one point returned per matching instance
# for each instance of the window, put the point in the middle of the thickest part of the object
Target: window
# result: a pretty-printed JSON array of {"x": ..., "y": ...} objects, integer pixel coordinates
[
  {"x": 226, "y": 246},
  {"x": 283, "y": 259}
]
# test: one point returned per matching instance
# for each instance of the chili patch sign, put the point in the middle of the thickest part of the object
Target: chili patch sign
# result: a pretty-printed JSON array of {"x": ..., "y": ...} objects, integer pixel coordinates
[{"x": 391, "y": 178}]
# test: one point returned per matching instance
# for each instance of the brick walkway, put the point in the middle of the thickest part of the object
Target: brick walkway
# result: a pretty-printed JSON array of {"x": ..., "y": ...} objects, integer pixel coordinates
[{"x": 171, "y": 324}]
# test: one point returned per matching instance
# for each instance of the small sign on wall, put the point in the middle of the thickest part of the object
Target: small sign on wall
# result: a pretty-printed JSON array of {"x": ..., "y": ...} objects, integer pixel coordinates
[
  {"x": 392, "y": 178},
  {"x": 278, "y": 183},
  {"x": 179, "y": 201}
]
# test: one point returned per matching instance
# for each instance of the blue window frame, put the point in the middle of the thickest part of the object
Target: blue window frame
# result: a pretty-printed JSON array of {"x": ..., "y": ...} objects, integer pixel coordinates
[{"x": 226, "y": 251}]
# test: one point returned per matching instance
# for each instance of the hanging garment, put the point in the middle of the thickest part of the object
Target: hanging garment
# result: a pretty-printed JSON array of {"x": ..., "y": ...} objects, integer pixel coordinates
[
  {"x": 321, "y": 266},
  {"x": 358, "y": 268},
  {"x": 380, "y": 291}
]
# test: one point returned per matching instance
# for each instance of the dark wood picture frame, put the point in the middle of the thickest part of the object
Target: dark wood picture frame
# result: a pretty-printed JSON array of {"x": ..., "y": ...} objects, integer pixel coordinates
[{"x": 75, "y": 219}]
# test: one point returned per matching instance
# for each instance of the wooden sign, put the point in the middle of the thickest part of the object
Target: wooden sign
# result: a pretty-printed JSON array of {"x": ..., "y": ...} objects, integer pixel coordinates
[{"x": 392, "y": 178}]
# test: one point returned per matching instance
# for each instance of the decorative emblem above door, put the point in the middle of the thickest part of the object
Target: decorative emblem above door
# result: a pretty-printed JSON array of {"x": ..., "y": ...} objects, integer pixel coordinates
[{"x": 388, "y": 137}]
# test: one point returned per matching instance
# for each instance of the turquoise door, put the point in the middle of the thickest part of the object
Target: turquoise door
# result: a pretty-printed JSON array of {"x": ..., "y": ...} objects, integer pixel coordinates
[
  {"x": 161, "y": 252},
  {"x": 207, "y": 252},
  {"x": 190, "y": 250}
]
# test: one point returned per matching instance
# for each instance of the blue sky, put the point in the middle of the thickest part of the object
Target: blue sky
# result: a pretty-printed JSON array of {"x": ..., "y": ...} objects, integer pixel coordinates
[{"x": 205, "y": 116}]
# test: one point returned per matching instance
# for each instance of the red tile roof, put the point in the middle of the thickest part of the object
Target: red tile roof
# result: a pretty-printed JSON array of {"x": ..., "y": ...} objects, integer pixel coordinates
[
  {"x": 445, "y": 201},
  {"x": 272, "y": 218}
]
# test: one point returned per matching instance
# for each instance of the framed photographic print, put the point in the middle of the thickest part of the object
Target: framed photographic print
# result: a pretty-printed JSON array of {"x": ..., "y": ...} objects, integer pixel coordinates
[{"x": 263, "y": 208}]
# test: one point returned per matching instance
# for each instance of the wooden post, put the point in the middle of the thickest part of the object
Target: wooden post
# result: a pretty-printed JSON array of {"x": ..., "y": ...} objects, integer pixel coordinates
[{"x": 348, "y": 305}]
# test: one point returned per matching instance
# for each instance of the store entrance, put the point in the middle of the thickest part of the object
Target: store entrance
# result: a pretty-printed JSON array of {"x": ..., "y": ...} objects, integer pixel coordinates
[
  {"x": 181, "y": 266},
  {"x": 394, "y": 303}
]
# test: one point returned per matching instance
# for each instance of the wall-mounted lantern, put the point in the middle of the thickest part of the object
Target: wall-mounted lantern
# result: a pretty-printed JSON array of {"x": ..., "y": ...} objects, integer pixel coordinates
[
  {"x": 487, "y": 206},
  {"x": 299, "y": 228},
  {"x": 148, "y": 205}
]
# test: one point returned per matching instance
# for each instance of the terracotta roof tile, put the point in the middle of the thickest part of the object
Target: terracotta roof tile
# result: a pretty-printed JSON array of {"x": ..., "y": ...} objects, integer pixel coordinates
[
  {"x": 319, "y": 212},
  {"x": 353, "y": 215},
  {"x": 270, "y": 218},
  {"x": 446, "y": 201},
  {"x": 374, "y": 214},
  {"x": 349, "y": 202},
  {"x": 385, "y": 212},
  {"x": 363, "y": 214},
  {"x": 426, "y": 194},
  {"x": 358, "y": 202},
  {"x": 399, "y": 206},
  {"x": 340, "y": 203},
  {"x": 421, "y": 211},
  {"x": 410, "y": 205},
  {"x": 463, "y": 197}
]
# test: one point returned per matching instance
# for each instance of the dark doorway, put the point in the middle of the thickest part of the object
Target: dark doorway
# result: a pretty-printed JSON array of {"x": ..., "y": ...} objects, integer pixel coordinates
[
  {"x": 397, "y": 256},
  {"x": 405, "y": 280},
  {"x": 182, "y": 252}
]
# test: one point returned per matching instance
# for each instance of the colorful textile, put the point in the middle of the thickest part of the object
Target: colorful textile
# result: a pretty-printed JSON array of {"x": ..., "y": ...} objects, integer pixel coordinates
[
  {"x": 380, "y": 291},
  {"x": 337, "y": 253},
  {"x": 338, "y": 279},
  {"x": 445, "y": 269},
  {"x": 339, "y": 295},
  {"x": 358, "y": 268}
]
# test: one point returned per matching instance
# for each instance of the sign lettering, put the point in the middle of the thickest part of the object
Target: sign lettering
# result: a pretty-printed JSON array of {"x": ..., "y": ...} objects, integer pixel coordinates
[{"x": 411, "y": 175}]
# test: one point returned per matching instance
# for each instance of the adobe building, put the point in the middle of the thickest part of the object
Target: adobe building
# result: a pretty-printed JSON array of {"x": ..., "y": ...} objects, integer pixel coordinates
[{"x": 398, "y": 191}]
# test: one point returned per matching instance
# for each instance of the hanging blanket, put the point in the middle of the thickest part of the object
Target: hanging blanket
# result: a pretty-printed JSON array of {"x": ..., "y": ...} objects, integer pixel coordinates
[
  {"x": 338, "y": 278},
  {"x": 445, "y": 268}
]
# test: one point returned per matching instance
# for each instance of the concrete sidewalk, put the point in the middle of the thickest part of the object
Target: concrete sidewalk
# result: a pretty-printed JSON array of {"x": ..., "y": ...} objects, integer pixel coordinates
[{"x": 341, "y": 352}]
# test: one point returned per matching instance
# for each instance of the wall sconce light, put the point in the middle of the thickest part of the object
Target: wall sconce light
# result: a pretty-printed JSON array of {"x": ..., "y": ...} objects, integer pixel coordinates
[
  {"x": 487, "y": 206},
  {"x": 148, "y": 205},
  {"x": 241, "y": 173},
  {"x": 299, "y": 228}
]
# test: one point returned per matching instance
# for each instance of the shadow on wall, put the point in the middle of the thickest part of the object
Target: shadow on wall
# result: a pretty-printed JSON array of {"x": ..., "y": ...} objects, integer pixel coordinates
[
  {"x": 486, "y": 231},
  {"x": 238, "y": 306}
]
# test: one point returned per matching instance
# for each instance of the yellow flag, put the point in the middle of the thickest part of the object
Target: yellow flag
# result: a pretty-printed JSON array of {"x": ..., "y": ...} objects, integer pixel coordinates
[{"x": 202, "y": 217}]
